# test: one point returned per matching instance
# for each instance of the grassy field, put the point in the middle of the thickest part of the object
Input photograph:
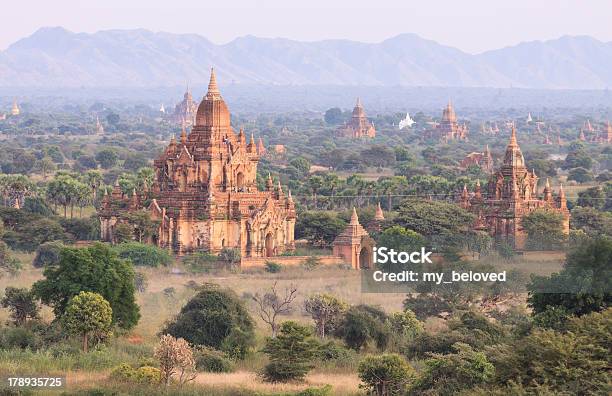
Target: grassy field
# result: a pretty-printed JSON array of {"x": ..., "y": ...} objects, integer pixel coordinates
[{"x": 158, "y": 305}]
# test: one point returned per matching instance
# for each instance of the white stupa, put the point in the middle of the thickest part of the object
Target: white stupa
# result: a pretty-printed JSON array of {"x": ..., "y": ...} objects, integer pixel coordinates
[
  {"x": 162, "y": 109},
  {"x": 406, "y": 122},
  {"x": 529, "y": 119}
]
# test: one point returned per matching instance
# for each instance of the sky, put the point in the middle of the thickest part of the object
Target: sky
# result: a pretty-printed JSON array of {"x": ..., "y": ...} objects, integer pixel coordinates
[{"x": 471, "y": 25}]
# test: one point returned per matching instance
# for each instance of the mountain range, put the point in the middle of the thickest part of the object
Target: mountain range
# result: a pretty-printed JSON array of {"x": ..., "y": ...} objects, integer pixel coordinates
[{"x": 56, "y": 57}]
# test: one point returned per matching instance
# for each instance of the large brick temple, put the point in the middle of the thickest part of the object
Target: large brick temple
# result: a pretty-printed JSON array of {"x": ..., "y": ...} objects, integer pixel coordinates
[
  {"x": 204, "y": 196},
  {"x": 358, "y": 126},
  {"x": 510, "y": 195}
]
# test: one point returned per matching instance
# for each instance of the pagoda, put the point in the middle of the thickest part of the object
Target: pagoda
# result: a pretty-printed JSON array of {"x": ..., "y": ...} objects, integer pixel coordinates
[
  {"x": 512, "y": 194},
  {"x": 204, "y": 196},
  {"x": 15, "y": 111},
  {"x": 185, "y": 111},
  {"x": 354, "y": 244},
  {"x": 358, "y": 126},
  {"x": 448, "y": 128}
]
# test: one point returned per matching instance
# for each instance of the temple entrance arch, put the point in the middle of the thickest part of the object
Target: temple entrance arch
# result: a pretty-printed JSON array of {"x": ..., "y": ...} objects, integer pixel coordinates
[
  {"x": 365, "y": 257},
  {"x": 269, "y": 245}
]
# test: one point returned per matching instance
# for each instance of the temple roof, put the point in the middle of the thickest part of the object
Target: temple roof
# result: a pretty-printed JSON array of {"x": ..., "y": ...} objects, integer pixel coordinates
[{"x": 212, "y": 111}]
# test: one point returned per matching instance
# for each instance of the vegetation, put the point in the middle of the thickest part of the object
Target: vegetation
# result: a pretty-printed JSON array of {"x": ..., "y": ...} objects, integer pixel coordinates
[{"x": 88, "y": 314}]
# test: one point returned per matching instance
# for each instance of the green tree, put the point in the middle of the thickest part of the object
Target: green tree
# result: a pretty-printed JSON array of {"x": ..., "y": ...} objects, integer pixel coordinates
[
  {"x": 363, "y": 325},
  {"x": 319, "y": 228},
  {"x": 216, "y": 318},
  {"x": 21, "y": 302},
  {"x": 326, "y": 310},
  {"x": 582, "y": 286},
  {"x": 402, "y": 240},
  {"x": 334, "y": 116},
  {"x": 107, "y": 158},
  {"x": 454, "y": 372},
  {"x": 385, "y": 375},
  {"x": 95, "y": 269},
  {"x": 44, "y": 166},
  {"x": 592, "y": 221},
  {"x": 88, "y": 314},
  {"x": 292, "y": 353},
  {"x": 47, "y": 254},
  {"x": 544, "y": 229},
  {"x": 141, "y": 254},
  {"x": 581, "y": 175}
]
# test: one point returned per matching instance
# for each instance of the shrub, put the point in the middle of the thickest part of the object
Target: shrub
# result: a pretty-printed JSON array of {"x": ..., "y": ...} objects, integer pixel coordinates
[
  {"x": 147, "y": 375},
  {"x": 292, "y": 353},
  {"x": 325, "y": 390},
  {"x": 19, "y": 337},
  {"x": 363, "y": 324},
  {"x": 216, "y": 318},
  {"x": 273, "y": 267},
  {"x": 213, "y": 361},
  {"x": 47, "y": 254},
  {"x": 200, "y": 262},
  {"x": 123, "y": 372},
  {"x": 385, "y": 375},
  {"x": 311, "y": 263},
  {"x": 230, "y": 256},
  {"x": 141, "y": 254}
]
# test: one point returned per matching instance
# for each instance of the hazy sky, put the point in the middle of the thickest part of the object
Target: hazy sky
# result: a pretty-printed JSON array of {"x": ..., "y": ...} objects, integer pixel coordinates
[{"x": 470, "y": 25}]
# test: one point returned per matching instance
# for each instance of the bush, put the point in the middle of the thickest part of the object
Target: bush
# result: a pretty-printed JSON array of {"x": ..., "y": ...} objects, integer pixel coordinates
[
  {"x": 81, "y": 229},
  {"x": 200, "y": 262},
  {"x": 213, "y": 361},
  {"x": 273, "y": 267},
  {"x": 147, "y": 375},
  {"x": 123, "y": 372},
  {"x": 215, "y": 318},
  {"x": 362, "y": 325},
  {"x": 141, "y": 254},
  {"x": 385, "y": 375},
  {"x": 48, "y": 254},
  {"x": 19, "y": 337},
  {"x": 311, "y": 263},
  {"x": 230, "y": 256}
]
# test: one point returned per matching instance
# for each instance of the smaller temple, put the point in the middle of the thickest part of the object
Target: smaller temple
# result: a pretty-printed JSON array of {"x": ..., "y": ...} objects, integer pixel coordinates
[
  {"x": 406, "y": 122},
  {"x": 483, "y": 160},
  {"x": 99, "y": 127},
  {"x": 448, "y": 128},
  {"x": 354, "y": 244},
  {"x": 512, "y": 194},
  {"x": 375, "y": 225},
  {"x": 186, "y": 110},
  {"x": 261, "y": 149},
  {"x": 358, "y": 126},
  {"x": 15, "y": 111}
]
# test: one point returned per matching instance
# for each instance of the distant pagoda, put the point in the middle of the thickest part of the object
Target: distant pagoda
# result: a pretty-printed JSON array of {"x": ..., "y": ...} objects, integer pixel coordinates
[{"x": 358, "y": 126}]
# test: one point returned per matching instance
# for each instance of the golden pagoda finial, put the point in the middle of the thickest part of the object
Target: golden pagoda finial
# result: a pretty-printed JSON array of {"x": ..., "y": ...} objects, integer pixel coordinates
[{"x": 513, "y": 141}]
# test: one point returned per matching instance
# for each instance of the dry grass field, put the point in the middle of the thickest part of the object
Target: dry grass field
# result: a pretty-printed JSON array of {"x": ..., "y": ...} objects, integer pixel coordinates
[{"x": 159, "y": 304}]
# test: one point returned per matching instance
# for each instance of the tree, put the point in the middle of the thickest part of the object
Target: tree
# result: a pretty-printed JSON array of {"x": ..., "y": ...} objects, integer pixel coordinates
[
  {"x": 402, "y": 240},
  {"x": 88, "y": 314},
  {"x": 216, "y": 318},
  {"x": 582, "y": 286},
  {"x": 326, "y": 310},
  {"x": 175, "y": 359},
  {"x": 454, "y": 372},
  {"x": 405, "y": 324},
  {"x": 21, "y": 302},
  {"x": 144, "y": 227},
  {"x": 271, "y": 304},
  {"x": 319, "y": 228},
  {"x": 141, "y": 254},
  {"x": 544, "y": 229},
  {"x": 123, "y": 233},
  {"x": 581, "y": 175},
  {"x": 592, "y": 221},
  {"x": 44, "y": 166},
  {"x": 592, "y": 197},
  {"x": 98, "y": 269},
  {"x": 47, "y": 254},
  {"x": 362, "y": 325},
  {"x": 334, "y": 116},
  {"x": 292, "y": 353},
  {"x": 385, "y": 375},
  {"x": 107, "y": 158}
]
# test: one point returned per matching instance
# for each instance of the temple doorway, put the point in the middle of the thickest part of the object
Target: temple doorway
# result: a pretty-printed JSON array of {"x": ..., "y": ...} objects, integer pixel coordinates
[
  {"x": 269, "y": 245},
  {"x": 240, "y": 181},
  {"x": 364, "y": 258}
]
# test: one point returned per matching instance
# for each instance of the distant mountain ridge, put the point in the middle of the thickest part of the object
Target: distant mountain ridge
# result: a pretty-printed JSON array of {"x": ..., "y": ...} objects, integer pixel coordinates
[{"x": 56, "y": 57}]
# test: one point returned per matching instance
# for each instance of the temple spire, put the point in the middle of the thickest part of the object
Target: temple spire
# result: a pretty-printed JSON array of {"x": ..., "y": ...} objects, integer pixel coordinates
[
  {"x": 513, "y": 141},
  {"x": 183, "y": 134},
  {"x": 213, "y": 89},
  {"x": 379, "y": 213},
  {"x": 354, "y": 218}
]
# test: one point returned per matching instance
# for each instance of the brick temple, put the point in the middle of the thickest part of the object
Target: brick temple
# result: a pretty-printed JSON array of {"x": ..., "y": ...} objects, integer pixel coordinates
[
  {"x": 448, "y": 128},
  {"x": 510, "y": 195},
  {"x": 358, "y": 126},
  {"x": 204, "y": 196}
]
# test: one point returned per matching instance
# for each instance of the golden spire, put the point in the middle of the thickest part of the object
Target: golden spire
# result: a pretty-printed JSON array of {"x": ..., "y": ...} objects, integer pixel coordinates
[{"x": 513, "y": 141}]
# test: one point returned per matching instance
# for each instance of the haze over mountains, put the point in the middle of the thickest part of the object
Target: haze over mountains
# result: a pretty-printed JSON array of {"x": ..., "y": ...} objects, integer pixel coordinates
[{"x": 55, "y": 57}]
